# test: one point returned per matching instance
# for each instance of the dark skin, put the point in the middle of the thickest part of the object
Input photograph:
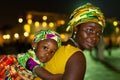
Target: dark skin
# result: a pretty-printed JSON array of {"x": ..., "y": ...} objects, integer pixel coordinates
[
  {"x": 88, "y": 36},
  {"x": 45, "y": 49}
]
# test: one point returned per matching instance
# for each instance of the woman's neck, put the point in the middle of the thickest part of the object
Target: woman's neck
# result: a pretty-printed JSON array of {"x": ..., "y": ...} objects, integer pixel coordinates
[{"x": 74, "y": 42}]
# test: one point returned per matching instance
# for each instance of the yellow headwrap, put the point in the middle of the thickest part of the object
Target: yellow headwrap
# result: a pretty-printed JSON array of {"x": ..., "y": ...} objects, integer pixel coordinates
[{"x": 86, "y": 13}]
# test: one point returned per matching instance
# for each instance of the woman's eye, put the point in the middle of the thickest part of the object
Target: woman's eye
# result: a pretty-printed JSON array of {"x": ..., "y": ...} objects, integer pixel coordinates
[
  {"x": 90, "y": 30},
  {"x": 45, "y": 48},
  {"x": 99, "y": 34}
]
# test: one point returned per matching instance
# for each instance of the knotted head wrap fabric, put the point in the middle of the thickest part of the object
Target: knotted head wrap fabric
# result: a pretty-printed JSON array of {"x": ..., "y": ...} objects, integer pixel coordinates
[
  {"x": 47, "y": 34},
  {"x": 86, "y": 13}
]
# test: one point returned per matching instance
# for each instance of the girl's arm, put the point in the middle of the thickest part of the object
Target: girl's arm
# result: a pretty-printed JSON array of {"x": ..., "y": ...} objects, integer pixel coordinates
[{"x": 45, "y": 75}]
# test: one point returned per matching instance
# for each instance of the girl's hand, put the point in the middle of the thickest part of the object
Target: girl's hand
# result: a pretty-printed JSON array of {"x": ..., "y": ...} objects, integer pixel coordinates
[
  {"x": 22, "y": 77},
  {"x": 30, "y": 64}
]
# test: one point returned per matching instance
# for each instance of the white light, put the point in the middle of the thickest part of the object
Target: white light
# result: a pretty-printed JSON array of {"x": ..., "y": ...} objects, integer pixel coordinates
[
  {"x": 20, "y": 20},
  {"x": 26, "y": 34},
  {"x": 16, "y": 35},
  {"x": 7, "y": 36}
]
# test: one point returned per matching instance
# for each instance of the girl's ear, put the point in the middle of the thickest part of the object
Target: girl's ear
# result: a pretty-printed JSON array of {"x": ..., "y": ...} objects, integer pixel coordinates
[{"x": 34, "y": 45}]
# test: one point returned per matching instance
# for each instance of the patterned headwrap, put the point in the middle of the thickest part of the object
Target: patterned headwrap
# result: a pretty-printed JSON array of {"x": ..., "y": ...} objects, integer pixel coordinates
[
  {"x": 47, "y": 34},
  {"x": 86, "y": 13}
]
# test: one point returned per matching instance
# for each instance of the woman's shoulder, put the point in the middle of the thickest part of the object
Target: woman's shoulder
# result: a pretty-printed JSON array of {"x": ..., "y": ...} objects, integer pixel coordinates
[
  {"x": 66, "y": 51},
  {"x": 71, "y": 48}
]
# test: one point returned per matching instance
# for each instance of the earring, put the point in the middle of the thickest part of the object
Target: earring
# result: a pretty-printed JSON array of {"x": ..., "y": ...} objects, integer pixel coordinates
[
  {"x": 33, "y": 48},
  {"x": 74, "y": 35}
]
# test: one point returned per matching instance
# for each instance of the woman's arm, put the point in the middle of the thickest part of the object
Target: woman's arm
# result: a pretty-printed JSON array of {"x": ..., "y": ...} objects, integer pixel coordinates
[{"x": 75, "y": 67}]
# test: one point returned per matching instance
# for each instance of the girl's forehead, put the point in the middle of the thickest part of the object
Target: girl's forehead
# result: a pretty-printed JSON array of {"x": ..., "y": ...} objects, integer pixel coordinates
[{"x": 46, "y": 41}]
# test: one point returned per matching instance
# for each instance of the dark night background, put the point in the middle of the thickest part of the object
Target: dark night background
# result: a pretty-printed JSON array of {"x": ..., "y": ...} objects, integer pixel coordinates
[{"x": 11, "y": 10}]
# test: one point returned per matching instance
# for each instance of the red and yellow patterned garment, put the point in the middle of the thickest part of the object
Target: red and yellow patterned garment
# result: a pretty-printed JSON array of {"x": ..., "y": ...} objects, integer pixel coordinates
[{"x": 11, "y": 66}]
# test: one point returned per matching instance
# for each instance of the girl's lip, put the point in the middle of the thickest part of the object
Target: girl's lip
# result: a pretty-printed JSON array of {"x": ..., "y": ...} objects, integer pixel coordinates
[{"x": 43, "y": 59}]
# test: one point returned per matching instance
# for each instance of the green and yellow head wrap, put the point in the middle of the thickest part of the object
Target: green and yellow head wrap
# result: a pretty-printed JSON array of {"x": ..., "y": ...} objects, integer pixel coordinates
[
  {"x": 86, "y": 13},
  {"x": 47, "y": 34}
]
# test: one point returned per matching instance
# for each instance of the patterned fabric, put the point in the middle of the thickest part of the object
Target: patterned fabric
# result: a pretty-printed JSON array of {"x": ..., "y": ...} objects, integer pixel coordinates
[
  {"x": 12, "y": 66},
  {"x": 86, "y": 13},
  {"x": 47, "y": 34},
  {"x": 14, "y": 71},
  {"x": 22, "y": 58}
]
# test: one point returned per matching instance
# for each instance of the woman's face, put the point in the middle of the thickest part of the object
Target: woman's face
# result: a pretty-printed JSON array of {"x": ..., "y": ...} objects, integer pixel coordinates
[
  {"x": 45, "y": 49},
  {"x": 88, "y": 35}
]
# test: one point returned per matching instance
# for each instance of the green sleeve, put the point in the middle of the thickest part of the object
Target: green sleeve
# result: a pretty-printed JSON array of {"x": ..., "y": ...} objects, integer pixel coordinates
[{"x": 22, "y": 59}]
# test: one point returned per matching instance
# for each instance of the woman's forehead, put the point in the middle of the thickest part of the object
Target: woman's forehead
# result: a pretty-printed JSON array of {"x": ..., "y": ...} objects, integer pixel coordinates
[{"x": 91, "y": 25}]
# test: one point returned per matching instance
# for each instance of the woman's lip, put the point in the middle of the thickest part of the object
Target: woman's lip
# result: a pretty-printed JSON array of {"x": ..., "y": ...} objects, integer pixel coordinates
[{"x": 91, "y": 44}]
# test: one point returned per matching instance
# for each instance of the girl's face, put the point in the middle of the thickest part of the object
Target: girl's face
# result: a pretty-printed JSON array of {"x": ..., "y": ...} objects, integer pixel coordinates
[
  {"x": 88, "y": 35},
  {"x": 45, "y": 49}
]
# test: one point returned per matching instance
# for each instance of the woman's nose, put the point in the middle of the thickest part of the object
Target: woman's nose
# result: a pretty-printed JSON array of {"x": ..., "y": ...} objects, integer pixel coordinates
[{"x": 93, "y": 36}]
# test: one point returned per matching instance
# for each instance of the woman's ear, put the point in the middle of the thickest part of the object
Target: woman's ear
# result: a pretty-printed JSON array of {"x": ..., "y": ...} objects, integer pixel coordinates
[
  {"x": 74, "y": 33},
  {"x": 75, "y": 29},
  {"x": 34, "y": 45}
]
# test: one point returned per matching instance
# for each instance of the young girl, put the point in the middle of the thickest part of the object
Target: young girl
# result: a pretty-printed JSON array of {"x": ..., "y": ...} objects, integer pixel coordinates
[{"x": 45, "y": 43}]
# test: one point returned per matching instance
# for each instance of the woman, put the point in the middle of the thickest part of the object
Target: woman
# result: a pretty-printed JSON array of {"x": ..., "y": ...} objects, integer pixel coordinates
[{"x": 86, "y": 23}]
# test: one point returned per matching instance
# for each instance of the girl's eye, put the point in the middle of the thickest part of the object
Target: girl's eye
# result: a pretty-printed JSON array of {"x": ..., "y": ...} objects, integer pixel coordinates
[
  {"x": 45, "y": 48},
  {"x": 52, "y": 52}
]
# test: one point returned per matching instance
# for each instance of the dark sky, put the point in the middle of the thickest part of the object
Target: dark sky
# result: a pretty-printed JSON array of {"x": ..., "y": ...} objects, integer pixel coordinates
[{"x": 10, "y": 10}]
